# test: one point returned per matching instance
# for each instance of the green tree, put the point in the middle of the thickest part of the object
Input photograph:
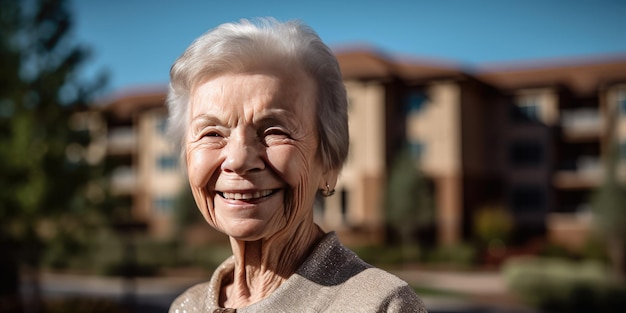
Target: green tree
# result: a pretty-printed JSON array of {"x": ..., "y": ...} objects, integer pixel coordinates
[
  {"x": 609, "y": 202},
  {"x": 186, "y": 211},
  {"x": 408, "y": 200},
  {"x": 48, "y": 189},
  {"x": 609, "y": 213}
]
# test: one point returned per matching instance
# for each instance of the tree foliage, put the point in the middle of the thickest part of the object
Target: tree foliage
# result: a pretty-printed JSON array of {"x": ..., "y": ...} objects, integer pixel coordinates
[
  {"x": 609, "y": 200},
  {"x": 48, "y": 189},
  {"x": 45, "y": 171},
  {"x": 187, "y": 213},
  {"x": 609, "y": 212},
  {"x": 409, "y": 204}
]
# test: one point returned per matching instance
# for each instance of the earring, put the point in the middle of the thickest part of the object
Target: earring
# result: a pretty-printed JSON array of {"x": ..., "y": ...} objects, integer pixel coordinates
[{"x": 327, "y": 192}]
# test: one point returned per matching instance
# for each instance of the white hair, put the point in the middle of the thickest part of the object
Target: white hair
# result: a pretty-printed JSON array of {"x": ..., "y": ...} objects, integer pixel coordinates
[{"x": 235, "y": 47}]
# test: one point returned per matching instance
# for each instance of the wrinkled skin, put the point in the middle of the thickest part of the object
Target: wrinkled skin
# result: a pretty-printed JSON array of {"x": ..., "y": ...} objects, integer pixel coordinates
[{"x": 254, "y": 170}]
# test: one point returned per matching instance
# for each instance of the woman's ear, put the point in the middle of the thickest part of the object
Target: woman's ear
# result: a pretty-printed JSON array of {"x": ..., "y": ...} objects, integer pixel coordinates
[
  {"x": 328, "y": 181},
  {"x": 331, "y": 179}
]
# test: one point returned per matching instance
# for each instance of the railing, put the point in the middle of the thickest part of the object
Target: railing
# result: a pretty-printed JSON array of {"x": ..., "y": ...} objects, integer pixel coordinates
[
  {"x": 123, "y": 180},
  {"x": 582, "y": 122},
  {"x": 121, "y": 140},
  {"x": 583, "y": 172}
]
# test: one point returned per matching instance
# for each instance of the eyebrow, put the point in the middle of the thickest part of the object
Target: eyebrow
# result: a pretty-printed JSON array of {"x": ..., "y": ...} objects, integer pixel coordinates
[
  {"x": 202, "y": 120},
  {"x": 269, "y": 117},
  {"x": 276, "y": 116}
]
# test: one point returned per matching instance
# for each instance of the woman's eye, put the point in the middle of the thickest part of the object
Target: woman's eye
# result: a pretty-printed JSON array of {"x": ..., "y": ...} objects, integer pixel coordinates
[
  {"x": 274, "y": 136},
  {"x": 275, "y": 132},
  {"x": 212, "y": 134}
]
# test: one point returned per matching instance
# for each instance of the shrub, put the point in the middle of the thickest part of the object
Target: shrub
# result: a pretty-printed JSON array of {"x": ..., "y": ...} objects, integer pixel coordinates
[
  {"x": 493, "y": 223},
  {"x": 593, "y": 249},
  {"x": 206, "y": 257},
  {"x": 461, "y": 255},
  {"x": 388, "y": 255},
  {"x": 125, "y": 269},
  {"x": 564, "y": 285}
]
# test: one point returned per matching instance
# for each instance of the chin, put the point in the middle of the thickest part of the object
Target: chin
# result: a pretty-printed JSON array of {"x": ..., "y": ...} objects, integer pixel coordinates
[{"x": 250, "y": 231}]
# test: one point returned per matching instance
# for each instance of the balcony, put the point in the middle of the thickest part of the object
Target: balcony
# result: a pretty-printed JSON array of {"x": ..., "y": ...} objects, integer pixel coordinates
[
  {"x": 121, "y": 140},
  {"x": 587, "y": 172},
  {"x": 569, "y": 229},
  {"x": 581, "y": 124},
  {"x": 123, "y": 181}
]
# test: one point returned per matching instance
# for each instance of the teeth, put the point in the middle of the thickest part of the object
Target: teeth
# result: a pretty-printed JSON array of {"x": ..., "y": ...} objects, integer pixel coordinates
[{"x": 246, "y": 196}]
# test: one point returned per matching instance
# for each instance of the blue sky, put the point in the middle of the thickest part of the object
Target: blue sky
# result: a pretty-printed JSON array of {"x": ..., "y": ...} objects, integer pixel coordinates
[{"x": 136, "y": 41}]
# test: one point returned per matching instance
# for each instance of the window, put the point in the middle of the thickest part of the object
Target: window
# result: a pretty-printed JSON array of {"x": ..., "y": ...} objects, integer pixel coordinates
[
  {"x": 163, "y": 205},
  {"x": 161, "y": 125},
  {"x": 526, "y": 113},
  {"x": 417, "y": 149},
  {"x": 622, "y": 105},
  {"x": 167, "y": 162},
  {"x": 319, "y": 207},
  {"x": 622, "y": 151},
  {"x": 344, "y": 204},
  {"x": 525, "y": 154},
  {"x": 620, "y": 100},
  {"x": 528, "y": 198},
  {"x": 415, "y": 102},
  {"x": 525, "y": 109}
]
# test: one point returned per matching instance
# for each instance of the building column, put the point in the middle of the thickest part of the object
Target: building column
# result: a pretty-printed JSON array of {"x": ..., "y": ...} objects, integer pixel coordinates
[{"x": 449, "y": 196}]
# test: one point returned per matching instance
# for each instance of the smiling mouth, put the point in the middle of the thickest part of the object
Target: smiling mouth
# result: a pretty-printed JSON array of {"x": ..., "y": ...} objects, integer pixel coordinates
[{"x": 248, "y": 195}]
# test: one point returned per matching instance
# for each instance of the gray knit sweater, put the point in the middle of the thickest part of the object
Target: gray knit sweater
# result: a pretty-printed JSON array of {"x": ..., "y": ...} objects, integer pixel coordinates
[{"x": 332, "y": 279}]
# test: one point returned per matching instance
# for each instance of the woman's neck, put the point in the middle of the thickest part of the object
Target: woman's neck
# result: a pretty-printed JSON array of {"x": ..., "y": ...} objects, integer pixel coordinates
[{"x": 262, "y": 266}]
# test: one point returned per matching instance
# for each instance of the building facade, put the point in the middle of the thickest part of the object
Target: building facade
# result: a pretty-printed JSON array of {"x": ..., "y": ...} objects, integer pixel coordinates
[
  {"x": 146, "y": 177},
  {"x": 531, "y": 140}
]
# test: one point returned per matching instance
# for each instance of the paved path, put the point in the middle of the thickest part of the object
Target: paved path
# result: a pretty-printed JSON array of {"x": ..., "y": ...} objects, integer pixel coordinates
[
  {"x": 478, "y": 291},
  {"x": 146, "y": 295},
  {"x": 486, "y": 292},
  {"x": 478, "y": 283}
]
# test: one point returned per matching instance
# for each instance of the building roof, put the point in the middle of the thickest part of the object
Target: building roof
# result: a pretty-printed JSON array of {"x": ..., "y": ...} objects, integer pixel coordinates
[
  {"x": 581, "y": 76},
  {"x": 365, "y": 63},
  {"x": 124, "y": 104}
]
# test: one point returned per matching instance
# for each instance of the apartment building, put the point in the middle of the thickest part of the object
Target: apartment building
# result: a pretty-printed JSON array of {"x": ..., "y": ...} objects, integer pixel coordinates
[
  {"x": 146, "y": 177},
  {"x": 578, "y": 104},
  {"x": 529, "y": 139}
]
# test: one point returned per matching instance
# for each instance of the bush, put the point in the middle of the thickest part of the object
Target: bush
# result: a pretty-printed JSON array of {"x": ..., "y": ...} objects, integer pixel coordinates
[
  {"x": 125, "y": 269},
  {"x": 206, "y": 257},
  {"x": 493, "y": 223},
  {"x": 557, "y": 251},
  {"x": 150, "y": 256},
  {"x": 109, "y": 255},
  {"x": 158, "y": 253},
  {"x": 461, "y": 255},
  {"x": 593, "y": 249},
  {"x": 564, "y": 286},
  {"x": 388, "y": 255}
]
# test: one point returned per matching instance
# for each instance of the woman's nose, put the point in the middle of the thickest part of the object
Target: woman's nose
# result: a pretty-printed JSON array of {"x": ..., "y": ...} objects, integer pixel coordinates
[{"x": 242, "y": 156}]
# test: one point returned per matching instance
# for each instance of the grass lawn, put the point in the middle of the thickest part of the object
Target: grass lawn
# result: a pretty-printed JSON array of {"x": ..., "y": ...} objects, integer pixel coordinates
[{"x": 437, "y": 292}]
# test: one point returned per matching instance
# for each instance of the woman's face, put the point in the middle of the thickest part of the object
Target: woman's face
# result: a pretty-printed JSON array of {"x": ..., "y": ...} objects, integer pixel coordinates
[{"x": 251, "y": 150}]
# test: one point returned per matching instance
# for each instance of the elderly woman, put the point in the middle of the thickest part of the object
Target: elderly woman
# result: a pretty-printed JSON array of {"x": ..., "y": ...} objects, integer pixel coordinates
[{"x": 261, "y": 111}]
